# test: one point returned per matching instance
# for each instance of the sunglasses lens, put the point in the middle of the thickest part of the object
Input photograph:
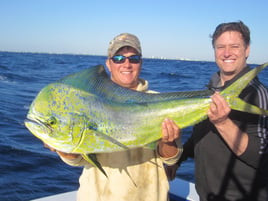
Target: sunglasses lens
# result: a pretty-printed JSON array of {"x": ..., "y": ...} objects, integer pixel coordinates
[
  {"x": 135, "y": 59},
  {"x": 119, "y": 59}
]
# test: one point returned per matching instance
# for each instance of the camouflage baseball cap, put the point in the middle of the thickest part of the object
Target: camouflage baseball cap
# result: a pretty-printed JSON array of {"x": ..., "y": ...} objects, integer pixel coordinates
[{"x": 122, "y": 40}]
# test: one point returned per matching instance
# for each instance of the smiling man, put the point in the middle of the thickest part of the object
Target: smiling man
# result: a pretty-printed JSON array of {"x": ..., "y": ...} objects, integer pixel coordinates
[
  {"x": 133, "y": 174},
  {"x": 230, "y": 147},
  {"x": 124, "y": 61},
  {"x": 231, "y": 50}
]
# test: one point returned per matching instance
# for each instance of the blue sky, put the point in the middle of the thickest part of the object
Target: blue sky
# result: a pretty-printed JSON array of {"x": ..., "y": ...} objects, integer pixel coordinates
[{"x": 169, "y": 29}]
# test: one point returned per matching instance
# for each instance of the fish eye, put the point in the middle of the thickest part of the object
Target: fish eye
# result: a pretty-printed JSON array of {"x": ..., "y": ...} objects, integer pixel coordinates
[{"x": 51, "y": 121}]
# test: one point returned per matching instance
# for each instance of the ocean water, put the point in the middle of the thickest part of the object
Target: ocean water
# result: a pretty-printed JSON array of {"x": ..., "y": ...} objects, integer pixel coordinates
[{"x": 27, "y": 169}]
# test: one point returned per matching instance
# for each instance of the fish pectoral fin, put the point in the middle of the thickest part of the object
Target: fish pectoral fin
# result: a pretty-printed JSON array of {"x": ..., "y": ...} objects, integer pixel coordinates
[
  {"x": 240, "y": 105},
  {"x": 111, "y": 140},
  {"x": 94, "y": 127},
  {"x": 92, "y": 159}
]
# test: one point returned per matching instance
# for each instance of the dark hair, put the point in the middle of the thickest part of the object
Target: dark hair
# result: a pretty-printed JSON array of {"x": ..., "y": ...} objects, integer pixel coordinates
[{"x": 232, "y": 26}]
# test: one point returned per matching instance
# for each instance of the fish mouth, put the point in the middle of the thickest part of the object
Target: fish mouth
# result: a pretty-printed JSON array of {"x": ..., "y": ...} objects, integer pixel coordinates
[
  {"x": 42, "y": 128},
  {"x": 37, "y": 123}
]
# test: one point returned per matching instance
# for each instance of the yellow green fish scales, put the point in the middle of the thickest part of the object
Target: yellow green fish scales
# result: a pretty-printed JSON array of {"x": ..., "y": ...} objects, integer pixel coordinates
[{"x": 87, "y": 113}]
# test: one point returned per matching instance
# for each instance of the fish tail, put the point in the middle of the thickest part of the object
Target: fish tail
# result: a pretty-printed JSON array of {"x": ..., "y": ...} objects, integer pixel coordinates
[
  {"x": 240, "y": 105},
  {"x": 232, "y": 92},
  {"x": 92, "y": 159}
]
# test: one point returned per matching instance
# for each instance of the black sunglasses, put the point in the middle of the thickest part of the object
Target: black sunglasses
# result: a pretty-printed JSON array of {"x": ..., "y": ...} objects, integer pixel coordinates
[{"x": 119, "y": 59}]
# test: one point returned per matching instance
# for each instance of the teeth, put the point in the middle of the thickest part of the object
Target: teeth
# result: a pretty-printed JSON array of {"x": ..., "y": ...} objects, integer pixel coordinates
[{"x": 228, "y": 61}]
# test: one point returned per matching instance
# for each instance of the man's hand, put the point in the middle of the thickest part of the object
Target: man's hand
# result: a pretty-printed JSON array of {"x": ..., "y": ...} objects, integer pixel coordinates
[
  {"x": 219, "y": 110},
  {"x": 62, "y": 154},
  {"x": 218, "y": 114},
  {"x": 170, "y": 132}
]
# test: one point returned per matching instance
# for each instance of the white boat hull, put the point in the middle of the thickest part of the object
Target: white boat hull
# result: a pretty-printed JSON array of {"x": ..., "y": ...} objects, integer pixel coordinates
[{"x": 179, "y": 190}]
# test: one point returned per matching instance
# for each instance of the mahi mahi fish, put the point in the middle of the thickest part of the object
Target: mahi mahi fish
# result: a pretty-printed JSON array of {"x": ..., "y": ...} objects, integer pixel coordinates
[{"x": 86, "y": 113}]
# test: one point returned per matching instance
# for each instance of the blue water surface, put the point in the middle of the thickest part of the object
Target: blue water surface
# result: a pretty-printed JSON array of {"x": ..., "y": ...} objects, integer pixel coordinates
[{"x": 27, "y": 169}]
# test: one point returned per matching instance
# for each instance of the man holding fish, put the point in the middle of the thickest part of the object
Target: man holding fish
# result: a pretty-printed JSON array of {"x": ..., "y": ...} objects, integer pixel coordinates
[
  {"x": 134, "y": 174},
  {"x": 230, "y": 147}
]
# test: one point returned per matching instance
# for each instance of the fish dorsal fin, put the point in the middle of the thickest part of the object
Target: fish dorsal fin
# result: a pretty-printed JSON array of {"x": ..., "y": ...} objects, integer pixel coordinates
[{"x": 96, "y": 81}]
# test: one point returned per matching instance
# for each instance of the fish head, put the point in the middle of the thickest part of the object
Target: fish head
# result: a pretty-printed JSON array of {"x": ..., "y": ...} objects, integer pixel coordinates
[{"x": 53, "y": 119}]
